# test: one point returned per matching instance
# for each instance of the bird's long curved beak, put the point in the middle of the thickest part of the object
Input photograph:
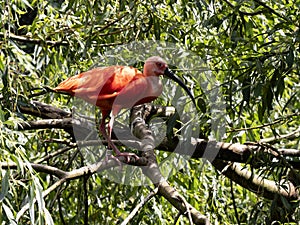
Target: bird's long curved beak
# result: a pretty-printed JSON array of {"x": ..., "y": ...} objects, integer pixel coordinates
[{"x": 172, "y": 76}]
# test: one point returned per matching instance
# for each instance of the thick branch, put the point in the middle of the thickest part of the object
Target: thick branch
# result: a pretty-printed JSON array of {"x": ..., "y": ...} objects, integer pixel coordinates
[
  {"x": 203, "y": 148},
  {"x": 65, "y": 123},
  {"x": 243, "y": 177},
  {"x": 152, "y": 171},
  {"x": 43, "y": 110},
  {"x": 235, "y": 152},
  {"x": 255, "y": 183},
  {"x": 226, "y": 151}
]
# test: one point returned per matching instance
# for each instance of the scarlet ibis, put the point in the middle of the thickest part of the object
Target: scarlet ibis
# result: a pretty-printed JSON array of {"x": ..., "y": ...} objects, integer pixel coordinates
[{"x": 115, "y": 87}]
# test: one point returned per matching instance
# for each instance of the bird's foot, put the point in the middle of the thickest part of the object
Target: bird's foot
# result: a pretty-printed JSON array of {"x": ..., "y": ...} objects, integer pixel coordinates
[
  {"x": 127, "y": 156},
  {"x": 123, "y": 156},
  {"x": 109, "y": 156},
  {"x": 118, "y": 158}
]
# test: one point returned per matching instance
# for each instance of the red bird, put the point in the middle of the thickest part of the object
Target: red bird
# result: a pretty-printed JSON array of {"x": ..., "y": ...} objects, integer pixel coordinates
[{"x": 115, "y": 87}]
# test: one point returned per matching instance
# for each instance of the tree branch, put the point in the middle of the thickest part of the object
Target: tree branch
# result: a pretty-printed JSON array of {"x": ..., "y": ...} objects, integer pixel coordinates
[
  {"x": 279, "y": 120},
  {"x": 271, "y": 10},
  {"x": 254, "y": 183},
  {"x": 139, "y": 206},
  {"x": 62, "y": 175},
  {"x": 42, "y": 110},
  {"x": 203, "y": 148},
  {"x": 290, "y": 136},
  {"x": 34, "y": 41},
  {"x": 65, "y": 123},
  {"x": 140, "y": 130},
  {"x": 77, "y": 173}
]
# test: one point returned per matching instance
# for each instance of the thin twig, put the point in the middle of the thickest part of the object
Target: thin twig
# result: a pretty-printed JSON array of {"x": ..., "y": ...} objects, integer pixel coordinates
[
  {"x": 139, "y": 206},
  {"x": 34, "y": 41},
  {"x": 279, "y": 120},
  {"x": 188, "y": 212},
  {"x": 86, "y": 199},
  {"x": 234, "y": 203},
  {"x": 271, "y": 10},
  {"x": 44, "y": 194},
  {"x": 53, "y": 154},
  {"x": 64, "y": 176},
  {"x": 291, "y": 135}
]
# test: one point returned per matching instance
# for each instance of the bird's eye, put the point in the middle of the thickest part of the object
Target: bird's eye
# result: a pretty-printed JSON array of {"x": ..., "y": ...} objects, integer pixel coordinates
[{"x": 159, "y": 64}]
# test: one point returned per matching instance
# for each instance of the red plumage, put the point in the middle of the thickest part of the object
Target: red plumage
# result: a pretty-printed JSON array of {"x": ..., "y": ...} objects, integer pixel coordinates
[{"x": 115, "y": 87}]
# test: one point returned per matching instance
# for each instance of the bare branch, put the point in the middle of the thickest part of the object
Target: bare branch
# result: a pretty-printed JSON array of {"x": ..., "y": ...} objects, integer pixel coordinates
[
  {"x": 140, "y": 130},
  {"x": 48, "y": 123},
  {"x": 289, "y": 152},
  {"x": 63, "y": 175},
  {"x": 255, "y": 183},
  {"x": 279, "y": 120},
  {"x": 26, "y": 206},
  {"x": 53, "y": 154},
  {"x": 28, "y": 39},
  {"x": 42, "y": 110},
  {"x": 221, "y": 151},
  {"x": 34, "y": 41},
  {"x": 38, "y": 167},
  {"x": 290, "y": 136},
  {"x": 172, "y": 195},
  {"x": 139, "y": 206}
]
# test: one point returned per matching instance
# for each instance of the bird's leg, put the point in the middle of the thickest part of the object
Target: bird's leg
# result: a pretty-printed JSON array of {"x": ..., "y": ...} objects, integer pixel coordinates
[
  {"x": 102, "y": 129},
  {"x": 110, "y": 144},
  {"x": 127, "y": 155},
  {"x": 108, "y": 138}
]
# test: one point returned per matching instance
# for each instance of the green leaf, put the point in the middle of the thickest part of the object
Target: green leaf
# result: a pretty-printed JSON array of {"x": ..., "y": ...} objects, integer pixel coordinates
[
  {"x": 4, "y": 186},
  {"x": 280, "y": 87},
  {"x": 9, "y": 214},
  {"x": 201, "y": 104},
  {"x": 290, "y": 58}
]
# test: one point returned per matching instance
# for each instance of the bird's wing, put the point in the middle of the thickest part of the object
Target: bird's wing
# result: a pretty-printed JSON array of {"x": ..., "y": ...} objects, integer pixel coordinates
[
  {"x": 99, "y": 86},
  {"x": 105, "y": 81}
]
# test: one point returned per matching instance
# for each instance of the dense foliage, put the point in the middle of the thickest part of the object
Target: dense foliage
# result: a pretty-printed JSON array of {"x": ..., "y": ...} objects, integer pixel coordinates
[{"x": 252, "y": 51}]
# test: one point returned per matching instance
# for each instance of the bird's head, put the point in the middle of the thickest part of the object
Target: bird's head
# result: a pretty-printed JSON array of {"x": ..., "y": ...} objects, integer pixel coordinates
[{"x": 155, "y": 66}]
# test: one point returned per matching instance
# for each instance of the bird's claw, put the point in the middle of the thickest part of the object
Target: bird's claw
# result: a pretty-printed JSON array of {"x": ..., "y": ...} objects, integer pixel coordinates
[
  {"x": 127, "y": 156},
  {"x": 109, "y": 156},
  {"x": 118, "y": 157}
]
